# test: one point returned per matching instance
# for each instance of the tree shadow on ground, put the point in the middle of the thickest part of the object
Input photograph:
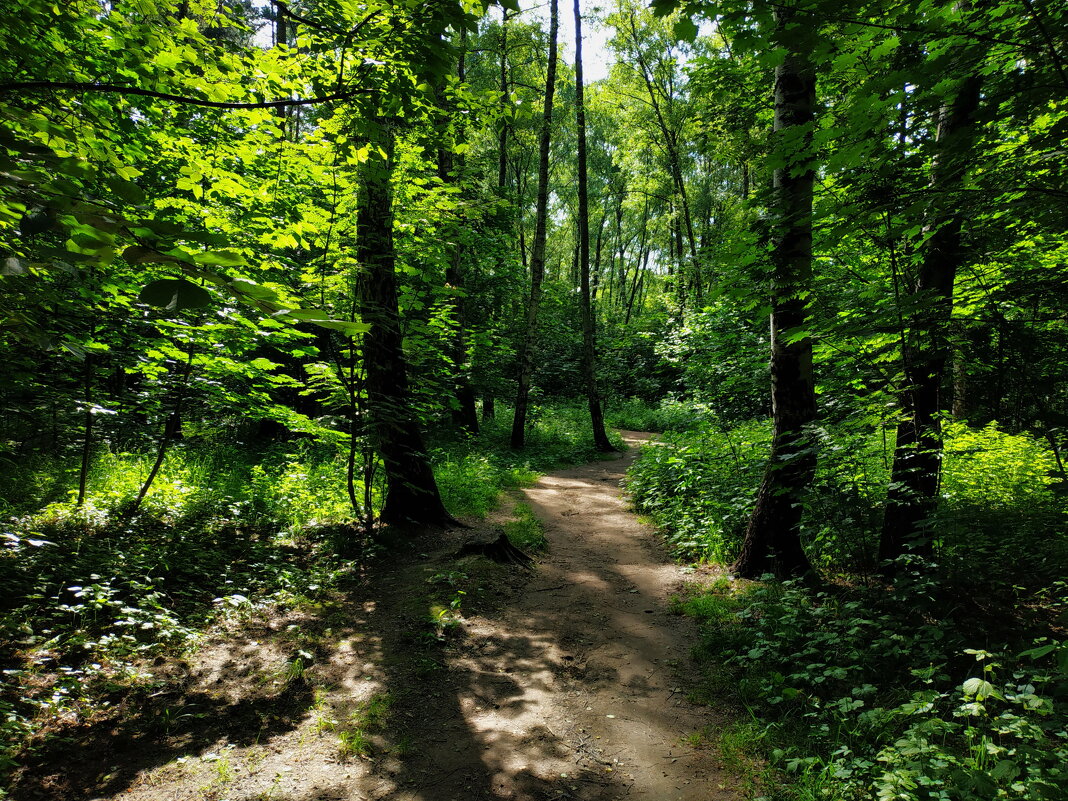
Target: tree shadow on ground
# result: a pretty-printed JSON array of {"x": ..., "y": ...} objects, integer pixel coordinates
[{"x": 104, "y": 757}]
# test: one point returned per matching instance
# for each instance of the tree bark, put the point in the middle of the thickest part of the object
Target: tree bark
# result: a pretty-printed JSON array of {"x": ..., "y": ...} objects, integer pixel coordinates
[
  {"x": 916, "y": 472},
  {"x": 772, "y": 540},
  {"x": 411, "y": 491},
  {"x": 537, "y": 255},
  {"x": 589, "y": 345}
]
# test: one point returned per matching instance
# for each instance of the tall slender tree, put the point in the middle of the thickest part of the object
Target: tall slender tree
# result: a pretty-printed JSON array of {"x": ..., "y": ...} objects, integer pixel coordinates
[
  {"x": 589, "y": 346},
  {"x": 926, "y": 350},
  {"x": 537, "y": 253},
  {"x": 411, "y": 491}
]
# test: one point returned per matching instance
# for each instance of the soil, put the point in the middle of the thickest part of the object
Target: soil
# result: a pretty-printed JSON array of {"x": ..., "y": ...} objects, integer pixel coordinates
[{"x": 436, "y": 678}]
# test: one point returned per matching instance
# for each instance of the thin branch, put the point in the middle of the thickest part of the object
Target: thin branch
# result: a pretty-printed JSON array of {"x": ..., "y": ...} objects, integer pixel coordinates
[{"x": 37, "y": 86}]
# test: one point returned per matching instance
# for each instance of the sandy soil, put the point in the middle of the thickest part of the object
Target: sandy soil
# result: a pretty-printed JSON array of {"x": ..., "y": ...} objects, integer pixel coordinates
[{"x": 562, "y": 683}]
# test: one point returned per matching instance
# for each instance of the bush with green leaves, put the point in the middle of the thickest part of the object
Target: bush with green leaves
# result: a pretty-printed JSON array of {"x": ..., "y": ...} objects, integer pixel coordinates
[
  {"x": 998, "y": 499},
  {"x": 669, "y": 414},
  {"x": 699, "y": 487},
  {"x": 868, "y": 693}
]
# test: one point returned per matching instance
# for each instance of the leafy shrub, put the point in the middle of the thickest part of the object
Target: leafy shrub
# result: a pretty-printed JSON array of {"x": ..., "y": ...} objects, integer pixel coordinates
[
  {"x": 868, "y": 693},
  {"x": 670, "y": 414},
  {"x": 998, "y": 503},
  {"x": 700, "y": 486}
]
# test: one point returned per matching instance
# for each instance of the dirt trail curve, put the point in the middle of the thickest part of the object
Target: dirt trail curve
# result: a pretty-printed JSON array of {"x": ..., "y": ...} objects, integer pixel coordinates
[
  {"x": 564, "y": 687},
  {"x": 573, "y": 691}
]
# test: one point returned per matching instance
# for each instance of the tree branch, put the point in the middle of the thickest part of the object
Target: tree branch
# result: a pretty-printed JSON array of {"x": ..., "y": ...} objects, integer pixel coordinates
[{"x": 74, "y": 86}]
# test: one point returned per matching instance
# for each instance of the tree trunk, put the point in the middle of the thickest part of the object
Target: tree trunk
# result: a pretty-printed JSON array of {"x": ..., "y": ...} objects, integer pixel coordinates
[
  {"x": 537, "y": 255},
  {"x": 772, "y": 540},
  {"x": 411, "y": 491},
  {"x": 465, "y": 413},
  {"x": 589, "y": 346},
  {"x": 916, "y": 472}
]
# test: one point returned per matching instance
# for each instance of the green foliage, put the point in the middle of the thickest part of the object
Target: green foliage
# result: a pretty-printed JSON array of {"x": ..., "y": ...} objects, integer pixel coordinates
[
  {"x": 699, "y": 486},
  {"x": 860, "y": 700},
  {"x": 91, "y": 594},
  {"x": 367, "y": 719},
  {"x": 999, "y": 502},
  {"x": 526, "y": 531},
  {"x": 670, "y": 414}
]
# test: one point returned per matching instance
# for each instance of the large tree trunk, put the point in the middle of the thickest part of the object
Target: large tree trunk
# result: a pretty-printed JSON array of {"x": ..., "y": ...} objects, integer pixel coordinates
[
  {"x": 916, "y": 472},
  {"x": 411, "y": 491},
  {"x": 589, "y": 347},
  {"x": 772, "y": 540},
  {"x": 537, "y": 255}
]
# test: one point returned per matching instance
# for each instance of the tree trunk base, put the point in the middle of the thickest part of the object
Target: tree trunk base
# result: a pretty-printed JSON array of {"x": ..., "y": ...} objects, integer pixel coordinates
[{"x": 499, "y": 550}]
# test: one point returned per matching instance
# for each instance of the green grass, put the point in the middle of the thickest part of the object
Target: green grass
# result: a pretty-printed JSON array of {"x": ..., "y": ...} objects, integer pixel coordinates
[
  {"x": 670, "y": 414},
  {"x": 368, "y": 718},
  {"x": 526, "y": 531}
]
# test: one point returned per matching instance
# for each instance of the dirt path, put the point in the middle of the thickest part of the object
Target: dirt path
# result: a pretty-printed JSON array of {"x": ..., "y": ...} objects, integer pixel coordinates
[
  {"x": 558, "y": 684},
  {"x": 573, "y": 690}
]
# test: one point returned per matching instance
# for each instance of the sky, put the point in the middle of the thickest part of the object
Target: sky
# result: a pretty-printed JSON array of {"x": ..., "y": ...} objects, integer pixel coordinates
[{"x": 596, "y": 60}]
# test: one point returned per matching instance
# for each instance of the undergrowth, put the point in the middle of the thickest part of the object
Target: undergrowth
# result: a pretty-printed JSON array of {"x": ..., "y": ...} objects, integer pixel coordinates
[
  {"x": 92, "y": 595},
  {"x": 998, "y": 498},
  {"x": 670, "y": 414},
  {"x": 859, "y": 693}
]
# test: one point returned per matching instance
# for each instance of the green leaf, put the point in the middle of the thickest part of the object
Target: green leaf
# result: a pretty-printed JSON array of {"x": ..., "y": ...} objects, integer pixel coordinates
[
  {"x": 139, "y": 255},
  {"x": 344, "y": 326},
  {"x": 175, "y": 293},
  {"x": 685, "y": 29},
  {"x": 252, "y": 290},
  {"x": 220, "y": 258},
  {"x": 662, "y": 8},
  {"x": 127, "y": 190},
  {"x": 979, "y": 689},
  {"x": 323, "y": 320}
]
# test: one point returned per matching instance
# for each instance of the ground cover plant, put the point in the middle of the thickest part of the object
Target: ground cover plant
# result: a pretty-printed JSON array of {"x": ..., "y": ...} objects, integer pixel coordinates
[
  {"x": 93, "y": 596},
  {"x": 949, "y": 680},
  {"x": 900, "y": 694}
]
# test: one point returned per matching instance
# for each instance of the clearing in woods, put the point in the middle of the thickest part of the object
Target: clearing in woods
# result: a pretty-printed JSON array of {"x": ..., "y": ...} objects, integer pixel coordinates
[{"x": 557, "y": 684}]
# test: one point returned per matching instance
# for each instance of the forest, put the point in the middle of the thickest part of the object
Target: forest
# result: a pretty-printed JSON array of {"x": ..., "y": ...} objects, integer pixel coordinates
[{"x": 300, "y": 300}]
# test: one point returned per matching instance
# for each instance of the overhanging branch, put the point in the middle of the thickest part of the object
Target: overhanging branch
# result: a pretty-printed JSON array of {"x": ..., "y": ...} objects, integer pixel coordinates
[{"x": 75, "y": 86}]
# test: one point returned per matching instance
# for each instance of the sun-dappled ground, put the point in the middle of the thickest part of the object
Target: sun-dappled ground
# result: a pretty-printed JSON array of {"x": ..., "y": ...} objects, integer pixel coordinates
[{"x": 433, "y": 678}]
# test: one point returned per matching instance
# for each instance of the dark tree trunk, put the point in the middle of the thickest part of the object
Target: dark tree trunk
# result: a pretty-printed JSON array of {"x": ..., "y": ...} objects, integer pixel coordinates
[
  {"x": 772, "y": 540},
  {"x": 411, "y": 491},
  {"x": 87, "y": 441},
  {"x": 589, "y": 345},
  {"x": 465, "y": 412},
  {"x": 537, "y": 255},
  {"x": 916, "y": 472}
]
